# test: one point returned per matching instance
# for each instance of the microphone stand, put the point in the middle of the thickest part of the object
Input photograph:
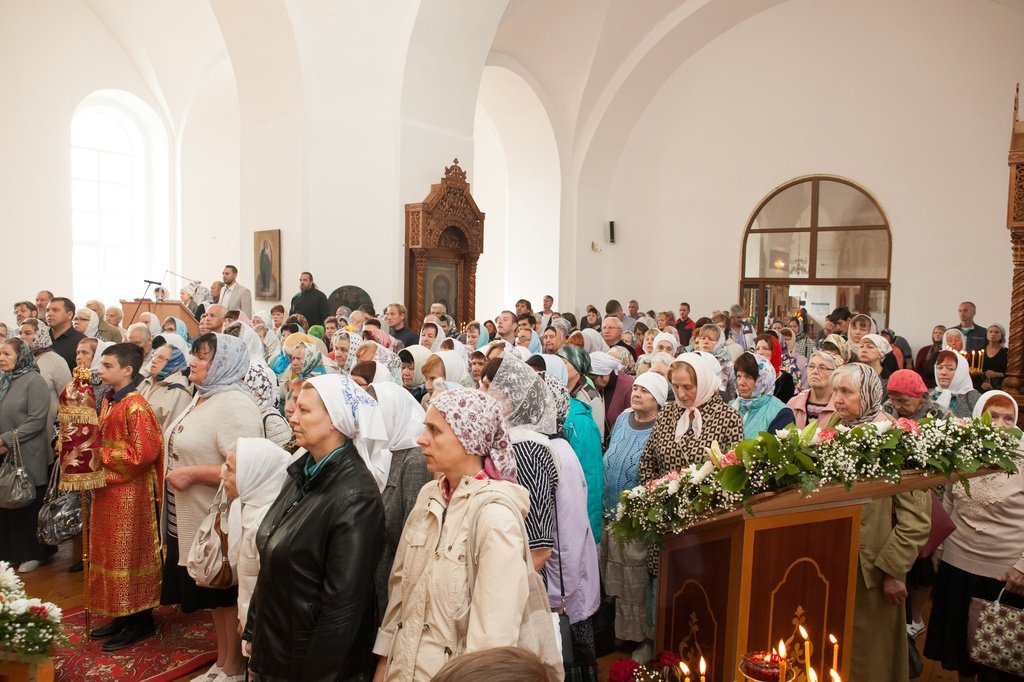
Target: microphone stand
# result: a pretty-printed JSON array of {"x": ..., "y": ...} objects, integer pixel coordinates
[{"x": 139, "y": 304}]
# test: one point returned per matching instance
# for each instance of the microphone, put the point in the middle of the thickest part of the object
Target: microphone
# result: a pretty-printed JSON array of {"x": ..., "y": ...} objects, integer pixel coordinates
[{"x": 149, "y": 281}]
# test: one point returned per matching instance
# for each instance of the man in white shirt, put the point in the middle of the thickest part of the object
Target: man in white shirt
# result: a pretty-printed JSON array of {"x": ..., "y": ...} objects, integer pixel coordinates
[{"x": 233, "y": 295}]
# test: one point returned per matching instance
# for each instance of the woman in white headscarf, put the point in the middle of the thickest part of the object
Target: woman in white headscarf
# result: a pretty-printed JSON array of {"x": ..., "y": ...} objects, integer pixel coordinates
[
  {"x": 431, "y": 336},
  {"x": 312, "y": 615},
  {"x": 87, "y": 322},
  {"x": 197, "y": 445},
  {"x": 953, "y": 386},
  {"x": 406, "y": 472},
  {"x": 253, "y": 476},
  {"x": 592, "y": 341},
  {"x": 151, "y": 321}
]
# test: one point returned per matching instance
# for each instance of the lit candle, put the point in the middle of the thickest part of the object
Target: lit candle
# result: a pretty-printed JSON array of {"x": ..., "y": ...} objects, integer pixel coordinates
[
  {"x": 811, "y": 675},
  {"x": 783, "y": 663},
  {"x": 685, "y": 670},
  {"x": 703, "y": 668},
  {"x": 835, "y": 676},
  {"x": 807, "y": 648},
  {"x": 835, "y": 652}
]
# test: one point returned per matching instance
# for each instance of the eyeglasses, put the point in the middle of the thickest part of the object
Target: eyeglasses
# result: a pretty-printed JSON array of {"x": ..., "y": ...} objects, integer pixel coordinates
[{"x": 820, "y": 368}]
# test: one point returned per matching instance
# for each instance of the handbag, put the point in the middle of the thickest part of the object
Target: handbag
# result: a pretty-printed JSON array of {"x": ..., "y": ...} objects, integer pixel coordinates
[
  {"x": 916, "y": 664},
  {"x": 208, "y": 561},
  {"x": 993, "y": 633},
  {"x": 942, "y": 527},
  {"x": 16, "y": 489},
  {"x": 60, "y": 517}
]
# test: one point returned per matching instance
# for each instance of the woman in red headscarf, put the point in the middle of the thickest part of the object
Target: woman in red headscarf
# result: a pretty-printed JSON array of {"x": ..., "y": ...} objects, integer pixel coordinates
[{"x": 768, "y": 347}]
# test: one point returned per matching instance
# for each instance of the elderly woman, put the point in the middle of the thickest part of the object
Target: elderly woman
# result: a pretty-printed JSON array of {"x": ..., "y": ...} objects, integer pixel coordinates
[
  {"x": 167, "y": 389},
  {"x": 407, "y": 473},
  {"x": 925, "y": 360},
  {"x": 346, "y": 346},
  {"x": 872, "y": 352},
  {"x": 953, "y": 386},
  {"x": 984, "y": 555},
  {"x": 802, "y": 343},
  {"x": 614, "y": 385},
  {"x": 579, "y": 367},
  {"x": 198, "y": 443},
  {"x": 625, "y": 564},
  {"x": 954, "y": 339},
  {"x": 907, "y": 396},
  {"x": 710, "y": 338},
  {"x": 312, "y": 614},
  {"x": 758, "y": 407},
  {"x": 892, "y": 532},
  {"x": 815, "y": 404},
  {"x": 50, "y": 366},
  {"x": 686, "y": 427},
  {"x": 87, "y": 322},
  {"x": 253, "y": 475},
  {"x": 25, "y": 425},
  {"x": 531, "y": 419},
  {"x": 471, "y": 518}
]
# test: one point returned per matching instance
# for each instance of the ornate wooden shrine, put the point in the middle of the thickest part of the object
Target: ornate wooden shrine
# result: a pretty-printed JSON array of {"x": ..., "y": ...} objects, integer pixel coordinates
[
  {"x": 444, "y": 237},
  {"x": 1014, "y": 383}
]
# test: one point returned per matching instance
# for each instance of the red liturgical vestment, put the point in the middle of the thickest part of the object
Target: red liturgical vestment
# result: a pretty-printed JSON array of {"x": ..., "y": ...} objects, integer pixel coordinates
[{"x": 125, "y": 566}]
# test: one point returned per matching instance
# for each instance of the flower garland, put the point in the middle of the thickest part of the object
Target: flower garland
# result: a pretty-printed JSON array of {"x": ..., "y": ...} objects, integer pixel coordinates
[
  {"x": 808, "y": 459},
  {"x": 28, "y": 627}
]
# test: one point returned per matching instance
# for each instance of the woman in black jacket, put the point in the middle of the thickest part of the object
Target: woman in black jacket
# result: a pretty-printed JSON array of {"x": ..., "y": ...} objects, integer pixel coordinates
[{"x": 313, "y": 615}]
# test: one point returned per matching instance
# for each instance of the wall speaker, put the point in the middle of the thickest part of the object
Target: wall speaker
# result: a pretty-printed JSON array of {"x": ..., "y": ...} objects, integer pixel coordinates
[{"x": 611, "y": 231}]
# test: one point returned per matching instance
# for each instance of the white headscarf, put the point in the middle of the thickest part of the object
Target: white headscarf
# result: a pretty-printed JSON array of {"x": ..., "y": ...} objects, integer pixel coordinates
[
  {"x": 265, "y": 316},
  {"x": 100, "y": 347},
  {"x": 260, "y": 472},
  {"x": 556, "y": 368},
  {"x": 403, "y": 416},
  {"x": 707, "y": 388},
  {"x": 655, "y": 384},
  {"x": 152, "y": 321},
  {"x": 94, "y": 322},
  {"x": 382, "y": 375},
  {"x": 960, "y": 384},
  {"x": 979, "y": 407},
  {"x": 435, "y": 345},
  {"x": 879, "y": 342},
  {"x": 455, "y": 369},
  {"x": 357, "y": 416},
  {"x": 593, "y": 341},
  {"x": 602, "y": 364},
  {"x": 665, "y": 336}
]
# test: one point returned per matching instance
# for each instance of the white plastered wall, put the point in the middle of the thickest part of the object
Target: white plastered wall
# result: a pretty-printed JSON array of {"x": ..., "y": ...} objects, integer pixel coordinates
[{"x": 912, "y": 100}]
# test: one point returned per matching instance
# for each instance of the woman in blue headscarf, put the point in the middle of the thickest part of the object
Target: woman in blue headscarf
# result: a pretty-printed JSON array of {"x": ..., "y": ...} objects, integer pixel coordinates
[
  {"x": 174, "y": 325},
  {"x": 756, "y": 403},
  {"x": 197, "y": 446},
  {"x": 167, "y": 389}
]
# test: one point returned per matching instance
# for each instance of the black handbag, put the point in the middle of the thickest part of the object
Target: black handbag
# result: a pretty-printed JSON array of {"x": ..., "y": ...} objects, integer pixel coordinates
[
  {"x": 16, "y": 489},
  {"x": 60, "y": 517}
]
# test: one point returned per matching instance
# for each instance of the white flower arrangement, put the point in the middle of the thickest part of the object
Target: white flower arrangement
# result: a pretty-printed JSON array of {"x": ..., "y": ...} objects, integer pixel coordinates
[
  {"x": 810, "y": 458},
  {"x": 29, "y": 627}
]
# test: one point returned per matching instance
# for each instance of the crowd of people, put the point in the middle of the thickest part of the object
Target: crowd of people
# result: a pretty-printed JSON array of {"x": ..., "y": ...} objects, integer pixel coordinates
[{"x": 397, "y": 500}]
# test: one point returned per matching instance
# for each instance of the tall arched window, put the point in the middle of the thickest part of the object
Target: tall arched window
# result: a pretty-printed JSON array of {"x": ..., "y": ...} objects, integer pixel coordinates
[
  {"x": 119, "y": 197},
  {"x": 818, "y": 243}
]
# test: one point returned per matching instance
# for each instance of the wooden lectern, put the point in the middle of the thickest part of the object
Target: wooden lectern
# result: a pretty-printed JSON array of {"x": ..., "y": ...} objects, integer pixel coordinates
[
  {"x": 741, "y": 582},
  {"x": 163, "y": 310}
]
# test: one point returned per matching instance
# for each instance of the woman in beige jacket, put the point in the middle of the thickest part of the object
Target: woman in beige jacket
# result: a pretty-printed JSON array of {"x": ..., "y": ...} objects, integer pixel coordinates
[{"x": 461, "y": 576}]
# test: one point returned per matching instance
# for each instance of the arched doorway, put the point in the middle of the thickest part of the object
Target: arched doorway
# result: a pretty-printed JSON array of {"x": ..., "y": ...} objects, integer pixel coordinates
[{"x": 818, "y": 243}]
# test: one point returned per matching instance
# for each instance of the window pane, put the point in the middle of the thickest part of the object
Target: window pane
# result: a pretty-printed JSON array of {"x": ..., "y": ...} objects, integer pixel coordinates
[
  {"x": 83, "y": 163},
  {"x": 778, "y": 254},
  {"x": 99, "y": 131},
  {"x": 115, "y": 198},
  {"x": 877, "y": 300},
  {"x": 84, "y": 195},
  {"x": 116, "y": 168},
  {"x": 840, "y": 204},
  {"x": 84, "y": 226},
  {"x": 853, "y": 254},
  {"x": 789, "y": 208},
  {"x": 117, "y": 229},
  {"x": 84, "y": 258}
]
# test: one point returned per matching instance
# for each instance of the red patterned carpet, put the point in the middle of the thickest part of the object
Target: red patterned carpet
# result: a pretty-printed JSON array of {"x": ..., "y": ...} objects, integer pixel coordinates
[{"x": 182, "y": 644}]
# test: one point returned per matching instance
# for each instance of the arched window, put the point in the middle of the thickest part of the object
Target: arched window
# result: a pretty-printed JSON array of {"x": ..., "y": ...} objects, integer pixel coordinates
[
  {"x": 120, "y": 223},
  {"x": 818, "y": 243}
]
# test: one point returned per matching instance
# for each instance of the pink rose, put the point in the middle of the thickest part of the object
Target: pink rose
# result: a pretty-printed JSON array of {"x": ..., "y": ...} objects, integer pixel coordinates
[
  {"x": 729, "y": 459},
  {"x": 826, "y": 435},
  {"x": 905, "y": 424}
]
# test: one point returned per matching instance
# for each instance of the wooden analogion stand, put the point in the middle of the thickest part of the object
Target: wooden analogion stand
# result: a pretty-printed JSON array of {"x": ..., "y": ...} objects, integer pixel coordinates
[{"x": 742, "y": 582}]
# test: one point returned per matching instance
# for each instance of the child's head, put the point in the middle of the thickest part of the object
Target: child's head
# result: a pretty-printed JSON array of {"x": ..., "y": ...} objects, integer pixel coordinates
[{"x": 120, "y": 363}]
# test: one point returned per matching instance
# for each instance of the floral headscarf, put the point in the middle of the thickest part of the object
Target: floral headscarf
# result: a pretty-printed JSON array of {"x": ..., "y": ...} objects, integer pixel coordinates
[
  {"x": 312, "y": 362},
  {"x": 842, "y": 344},
  {"x": 765, "y": 383},
  {"x": 227, "y": 369},
  {"x": 199, "y": 293},
  {"x": 23, "y": 364},
  {"x": 379, "y": 336},
  {"x": 521, "y": 391},
  {"x": 871, "y": 391},
  {"x": 357, "y": 416},
  {"x": 42, "y": 341},
  {"x": 558, "y": 394},
  {"x": 354, "y": 341},
  {"x": 476, "y": 419},
  {"x": 390, "y": 360}
]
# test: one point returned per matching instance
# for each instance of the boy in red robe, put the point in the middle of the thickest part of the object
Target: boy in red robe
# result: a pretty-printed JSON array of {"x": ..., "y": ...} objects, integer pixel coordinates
[{"x": 125, "y": 566}]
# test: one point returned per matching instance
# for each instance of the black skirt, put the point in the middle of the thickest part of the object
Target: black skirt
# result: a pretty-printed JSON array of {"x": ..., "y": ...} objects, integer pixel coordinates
[
  {"x": 947, "y": 627},
  {"x": 18, "y": 542},
  {"x": 179, "y": 587}
]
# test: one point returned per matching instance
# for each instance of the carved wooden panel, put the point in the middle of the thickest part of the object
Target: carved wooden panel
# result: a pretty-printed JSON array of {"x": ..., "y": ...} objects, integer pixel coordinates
[
  {"x": 1014, "y": 382},
  {"x": 445, "y": 228}
]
